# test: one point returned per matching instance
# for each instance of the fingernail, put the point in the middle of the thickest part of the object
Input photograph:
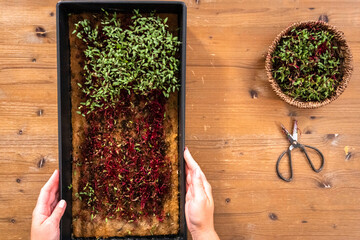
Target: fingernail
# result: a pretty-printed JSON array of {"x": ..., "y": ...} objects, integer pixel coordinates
[
  {"x": 186, "y": 148},
  {"x": 62, "y": 204}
]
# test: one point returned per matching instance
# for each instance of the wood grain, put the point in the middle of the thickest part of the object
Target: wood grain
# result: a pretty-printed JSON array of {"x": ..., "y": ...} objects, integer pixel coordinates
[{"x": 232, "y": 119}]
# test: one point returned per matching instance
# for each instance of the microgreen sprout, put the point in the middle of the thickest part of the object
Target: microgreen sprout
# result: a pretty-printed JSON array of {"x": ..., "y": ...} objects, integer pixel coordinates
[
  {"x": 141, "y": 58},
  {"x": 307, "y": 63},
  {"x": 129, "y": 73}
]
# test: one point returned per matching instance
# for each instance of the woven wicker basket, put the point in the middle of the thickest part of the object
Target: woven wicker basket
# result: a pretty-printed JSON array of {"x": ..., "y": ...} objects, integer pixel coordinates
[{"x": 346, "y": 66}]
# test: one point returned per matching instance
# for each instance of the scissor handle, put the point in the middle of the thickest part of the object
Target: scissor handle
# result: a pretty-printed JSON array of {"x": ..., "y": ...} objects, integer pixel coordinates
[
  {"x": 309, "y": 160},
  {"x": 290, "y": 166}
]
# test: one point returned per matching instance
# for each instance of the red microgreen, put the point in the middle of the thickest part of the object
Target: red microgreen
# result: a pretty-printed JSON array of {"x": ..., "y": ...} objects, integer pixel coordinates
[
  {"x": 307, "y": 63},
  {"x": 125, "y": 172}
]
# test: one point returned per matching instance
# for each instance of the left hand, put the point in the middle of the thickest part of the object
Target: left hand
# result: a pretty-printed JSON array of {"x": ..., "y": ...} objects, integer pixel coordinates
[{"x": 48, "y": 211}]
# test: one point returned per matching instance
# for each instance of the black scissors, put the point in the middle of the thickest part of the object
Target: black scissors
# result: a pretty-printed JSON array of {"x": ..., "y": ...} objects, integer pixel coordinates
[{"x": 293, "y": 139}]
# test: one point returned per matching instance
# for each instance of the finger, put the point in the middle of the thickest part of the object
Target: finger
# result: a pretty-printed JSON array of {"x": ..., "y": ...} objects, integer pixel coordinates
[
  {"x": 54, "y": 196},
  {"x": 55, "y": 201},
  {"x": 188, "y": 195},
  {"x": 207, "y": 186},
  {"x": 42, "y": 208},
  {"x": 188, "y": 182},
  {"x": 197, "y": 184},
  {"x": 208, "y": 191},
  {"x": 191, "y": 190},
  {"x": 58, "y": 212},
  {"x": 51, "y": 186},
  {"x": 190, "y": 162},
  {"x": 203, "y": 177},
  {"x": 188, "y": 178}
]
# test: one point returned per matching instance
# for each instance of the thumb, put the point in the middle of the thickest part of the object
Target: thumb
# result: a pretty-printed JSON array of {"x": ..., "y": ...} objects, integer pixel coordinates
[
  {"x": 198, "y": 186},
  {"x": 58, "y": 212}
]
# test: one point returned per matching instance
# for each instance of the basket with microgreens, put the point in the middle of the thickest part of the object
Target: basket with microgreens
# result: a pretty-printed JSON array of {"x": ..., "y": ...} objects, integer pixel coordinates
[
  {"x": 127, "y": 105},
  {"x": 309, "y": 64}
]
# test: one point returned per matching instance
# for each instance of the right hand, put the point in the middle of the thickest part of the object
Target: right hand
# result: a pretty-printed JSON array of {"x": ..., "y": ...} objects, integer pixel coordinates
[{"x": 199, "y": 206}]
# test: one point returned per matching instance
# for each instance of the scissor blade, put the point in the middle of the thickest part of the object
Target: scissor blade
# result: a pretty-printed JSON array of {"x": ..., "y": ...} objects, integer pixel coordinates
[
  {"x": 295, "y": 131},
  {"x": 288, "y": 135}
]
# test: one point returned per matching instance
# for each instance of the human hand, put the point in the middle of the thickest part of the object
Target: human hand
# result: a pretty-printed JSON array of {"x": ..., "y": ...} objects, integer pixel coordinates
[
  {"x": 48, "y": 211},
  {"x": 199, "y": 206}
]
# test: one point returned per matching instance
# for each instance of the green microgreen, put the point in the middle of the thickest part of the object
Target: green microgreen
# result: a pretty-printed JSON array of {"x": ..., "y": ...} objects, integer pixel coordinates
[
  {"x": 307, "y": 63},
  {"x": 129, "y": 71},
  {"x": 140, "y": 57}
]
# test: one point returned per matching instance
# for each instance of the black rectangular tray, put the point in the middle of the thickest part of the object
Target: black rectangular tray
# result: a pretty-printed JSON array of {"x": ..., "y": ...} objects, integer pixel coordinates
[{"x": 63, "y": 9}]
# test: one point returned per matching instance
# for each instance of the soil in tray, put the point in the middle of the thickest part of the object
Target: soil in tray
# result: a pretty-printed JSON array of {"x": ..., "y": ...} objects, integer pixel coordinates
[{"x": 125, "y": 157}]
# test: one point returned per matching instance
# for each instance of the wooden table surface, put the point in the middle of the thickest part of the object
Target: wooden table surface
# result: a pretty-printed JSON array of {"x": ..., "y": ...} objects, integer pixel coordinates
[{"x": 232, "y": 119}]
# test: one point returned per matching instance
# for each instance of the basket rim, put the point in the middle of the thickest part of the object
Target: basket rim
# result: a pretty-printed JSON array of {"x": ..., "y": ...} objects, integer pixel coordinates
[{"x": 347, "y": 72}]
